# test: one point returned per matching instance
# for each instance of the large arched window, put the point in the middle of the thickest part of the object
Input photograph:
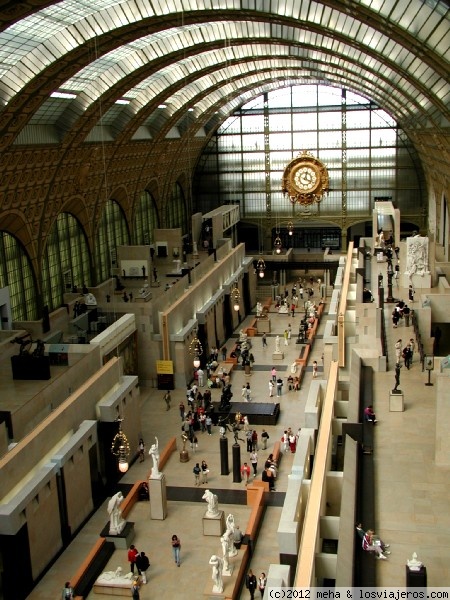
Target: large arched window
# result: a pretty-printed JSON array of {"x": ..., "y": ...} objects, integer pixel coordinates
[
  {"x": 17, "y": 274},
  {"x": 112, "y": 232},
  {"x": 145, "y": 220},
  {"x": 65, "y": 263},
  {"x": 176, "y": 215},
  {"x": 366, "y": 153}
]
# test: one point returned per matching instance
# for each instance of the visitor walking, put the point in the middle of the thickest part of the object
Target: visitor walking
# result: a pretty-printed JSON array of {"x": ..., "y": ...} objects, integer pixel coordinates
[{"x": 176, "y": 549}]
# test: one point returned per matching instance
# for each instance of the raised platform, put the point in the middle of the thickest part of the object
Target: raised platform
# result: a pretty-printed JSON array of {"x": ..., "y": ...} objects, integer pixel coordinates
[{"x": 259, "y": 413}]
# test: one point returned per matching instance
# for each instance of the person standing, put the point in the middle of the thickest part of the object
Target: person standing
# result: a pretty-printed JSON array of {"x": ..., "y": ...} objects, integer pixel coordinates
[
  {"x": 167, "y": 400},
  {"x": 205, "y": 471},
  {"x": 411, "y": 292},
  {"x": 262, "y": 582},
  {"x": 254, "y": 440},
  {"x": 407, "y": 354},
  {"x": 197, "y": 470},
  {"x": 135, "y": 589},
  {"x": 285, "y": 441},
  {"x": 289, "y": 331},
  {"x": 412, "y": 345},
  {"x": 279, "y": 386},
  {"x": 398, "y": 351},
  {"x": 264, "y": 340},
  {"x": 224, "y": 353},
  {"x": 245, "y": 473},
  {"x": 142, "y": 564},
  {"x": 254, "y": 461},
  {"x": 251, "y": 584},
  {"x": 314, "y": 369},
  {"x": 274, "y": 374},
  {"x": 270, "y": 388},
  {"x": 176, "y": 549},
  {"x": 67, "y": 593},
  {"x": 141, "y": 450},
  {"x": 264, "y": 438},
  {"x": 155, "y": 275},
  {"x": 406, "y": 314},
  {"x": 249, "y": 436},
  {"x": 208, "y": 423},
  {"x": 132, "y": 554},
  {"x": 182, "y": 410}
]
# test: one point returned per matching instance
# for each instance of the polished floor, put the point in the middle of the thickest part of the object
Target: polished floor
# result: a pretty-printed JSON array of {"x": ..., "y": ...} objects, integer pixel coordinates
[{"x": 411, "y": 492}]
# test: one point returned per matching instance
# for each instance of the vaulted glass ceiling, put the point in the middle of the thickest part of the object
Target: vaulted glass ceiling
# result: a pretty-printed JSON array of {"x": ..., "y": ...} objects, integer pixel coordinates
[{"x": 211, "y": 56}]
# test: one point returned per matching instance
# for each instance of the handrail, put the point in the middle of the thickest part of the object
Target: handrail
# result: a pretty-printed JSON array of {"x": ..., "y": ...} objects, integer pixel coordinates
[
  {"x": 316, "y": 501},
  {"x": 343, "y": 305}
]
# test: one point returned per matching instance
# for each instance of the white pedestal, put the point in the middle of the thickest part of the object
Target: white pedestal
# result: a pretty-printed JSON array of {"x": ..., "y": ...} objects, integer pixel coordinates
[
  {"x": 396, "y": 403},
  {"x": 278, "y": 355},
  {"x": 214, "y": 525},
  {"x": 158, "y": 498}
]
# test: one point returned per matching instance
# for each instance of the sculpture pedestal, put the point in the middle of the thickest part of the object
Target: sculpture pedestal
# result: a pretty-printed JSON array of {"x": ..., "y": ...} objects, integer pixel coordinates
[
  {"x": 184, "y": 456},
  {"x": 123, "y": 540},
  {"x": 396, "y": 403},
  {"x": 278, "y": 355},
  {"x": 263, "y": 325},
  {"x": 214, "y": 525},
  {"x": 158, "y": 498}
]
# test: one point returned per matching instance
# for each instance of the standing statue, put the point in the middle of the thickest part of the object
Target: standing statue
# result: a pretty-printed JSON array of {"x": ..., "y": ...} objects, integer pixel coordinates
[
  {"x": 217, "y": 564},
  {"x": 213, "y": 504},
  {"x": 154, "y": 453},
  {"x": 277, "y": 344},
  {"x": 226, "y": 541},
  {"x": 116, "y": 522},
  {"x": 398, "y": 366},
  {"x": 230, "y": 531},
  {"x": 258, "y": 309}
]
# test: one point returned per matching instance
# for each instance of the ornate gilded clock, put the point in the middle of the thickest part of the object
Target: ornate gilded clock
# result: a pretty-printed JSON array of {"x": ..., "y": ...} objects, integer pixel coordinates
[{"x": 305, "y": 179}]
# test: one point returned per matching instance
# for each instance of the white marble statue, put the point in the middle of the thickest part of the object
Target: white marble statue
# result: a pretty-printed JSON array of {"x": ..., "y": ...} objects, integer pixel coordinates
[
  {"x": 226, "y": 542},
  {"x": 258, "y": 309},
  {"x": 177, "y": 265},
  {"x": 230, "y": 530},
  {"x": 414, "y": 563},
  {"x": 154, "y": 453},
  {"x": 90, "y": 299},
  {"x": 417, "y": 256},
  {"x": 277, "y": 344},
  {"x": 294, "y": 368},
  {"x": 116, "y": 577},
  {"x": 217, "y": 565},
  {"x": 242, "y": 336},
  {"x": 213, "y": 504},
  {"x": 116, "y": 521}
]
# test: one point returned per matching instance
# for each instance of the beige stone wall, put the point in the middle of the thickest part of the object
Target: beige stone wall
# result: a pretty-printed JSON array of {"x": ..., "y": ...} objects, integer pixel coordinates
[
  {"x": 44, "y": 529},
  {"x": 77, "y": 480}
]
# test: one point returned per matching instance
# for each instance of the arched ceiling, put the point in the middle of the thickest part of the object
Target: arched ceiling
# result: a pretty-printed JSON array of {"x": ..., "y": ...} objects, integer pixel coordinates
[{"x": 74, "y": 70}]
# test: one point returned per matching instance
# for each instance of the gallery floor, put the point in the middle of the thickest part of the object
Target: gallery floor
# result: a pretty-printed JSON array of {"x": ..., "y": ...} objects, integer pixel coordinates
[{"x": 411, "y": 492}]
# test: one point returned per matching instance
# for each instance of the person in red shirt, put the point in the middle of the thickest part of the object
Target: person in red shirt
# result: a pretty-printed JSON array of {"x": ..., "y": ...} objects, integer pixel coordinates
[
  {"x": 132, "y": 554},
  {"x": 245, "y": 473}
]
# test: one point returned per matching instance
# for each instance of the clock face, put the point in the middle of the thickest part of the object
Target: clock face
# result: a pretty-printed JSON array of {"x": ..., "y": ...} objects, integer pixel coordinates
[{"x": 305, "y": 178}]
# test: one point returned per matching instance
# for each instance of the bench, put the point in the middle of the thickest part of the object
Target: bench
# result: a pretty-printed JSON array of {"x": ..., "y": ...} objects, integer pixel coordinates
[
  {"x": 92, "y": 566},
  {"x": 225, "y": 366}
]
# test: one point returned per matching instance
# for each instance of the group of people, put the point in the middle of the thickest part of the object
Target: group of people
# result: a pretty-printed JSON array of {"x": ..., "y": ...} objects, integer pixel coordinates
[
  {"x": 406, "y": 352},
  {"x": 401, "y": 311},
  {"x": 289, "y": 440},
  {"x": 200, "y": 470}
]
